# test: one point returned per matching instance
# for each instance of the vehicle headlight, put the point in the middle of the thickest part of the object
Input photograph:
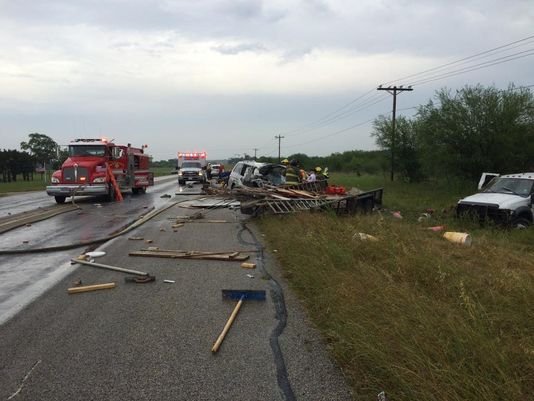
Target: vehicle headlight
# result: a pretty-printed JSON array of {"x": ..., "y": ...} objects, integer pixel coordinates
[
  {"x": 180, "y": 173},
  {"x": 99, "y": 180},
  {"x": 54, "y": 180},
  {"x": 200, "y": 173}
]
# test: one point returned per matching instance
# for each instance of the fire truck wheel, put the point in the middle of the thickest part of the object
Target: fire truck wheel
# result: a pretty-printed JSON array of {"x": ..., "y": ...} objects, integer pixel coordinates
[
  {"x": 60, "y": 199},
  {"x": 135, "y": 191}
]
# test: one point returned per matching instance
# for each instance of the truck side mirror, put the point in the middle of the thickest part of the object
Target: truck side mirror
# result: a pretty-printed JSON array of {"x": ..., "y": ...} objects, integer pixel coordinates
[{"x": 115, "y": 153}]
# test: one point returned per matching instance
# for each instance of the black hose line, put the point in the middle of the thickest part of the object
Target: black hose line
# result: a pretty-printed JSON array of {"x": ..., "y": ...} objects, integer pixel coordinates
[{"x": 153, "y": 213}]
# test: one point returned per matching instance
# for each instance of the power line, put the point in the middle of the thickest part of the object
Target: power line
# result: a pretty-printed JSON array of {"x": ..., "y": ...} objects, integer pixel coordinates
[
  {"x": 475, "y": 67},
  {"x": 474, "y": 56},
  {"x": 342, "y": 113},
  {"x": 328, "y": 115},
  {"x": 331, "y": 135},
  {"x": 368, "y": 103}
]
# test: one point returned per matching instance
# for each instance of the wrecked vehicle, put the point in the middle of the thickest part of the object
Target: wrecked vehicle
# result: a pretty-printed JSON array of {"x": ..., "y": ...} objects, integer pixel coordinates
[
  {"x": 255, "y": 174},
  {"x": 505, "y": 200}
]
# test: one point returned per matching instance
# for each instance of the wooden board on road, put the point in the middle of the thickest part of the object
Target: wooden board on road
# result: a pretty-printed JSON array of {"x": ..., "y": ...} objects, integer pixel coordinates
[{"x": 177, "y": 254}]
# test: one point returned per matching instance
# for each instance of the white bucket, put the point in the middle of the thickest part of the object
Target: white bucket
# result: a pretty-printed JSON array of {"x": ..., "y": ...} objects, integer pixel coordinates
[{"x": 458, "y": 238}]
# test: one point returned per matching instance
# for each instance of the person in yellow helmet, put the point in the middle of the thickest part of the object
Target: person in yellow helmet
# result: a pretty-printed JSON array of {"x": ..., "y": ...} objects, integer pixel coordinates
[
  {"x": 292, "y": 173},
  {"x": 319, "y": 176},
  {"x": 285, "y": 162}
]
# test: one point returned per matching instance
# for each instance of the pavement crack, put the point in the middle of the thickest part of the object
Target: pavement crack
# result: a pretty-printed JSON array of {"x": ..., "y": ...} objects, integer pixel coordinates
[
  {"x": 23, "y": 380},
  {"x": 277, "y": 296}
]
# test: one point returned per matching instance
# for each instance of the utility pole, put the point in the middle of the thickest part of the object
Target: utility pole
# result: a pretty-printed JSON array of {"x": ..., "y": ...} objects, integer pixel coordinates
[
  {"x": 255, "y": 150},
  {"x": 279, "y": 137},
  {"x": 392, "y": 90}
]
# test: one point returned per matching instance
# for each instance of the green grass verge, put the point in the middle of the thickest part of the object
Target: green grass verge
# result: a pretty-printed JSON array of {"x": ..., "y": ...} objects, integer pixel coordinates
[
  {"x": 413, "y": 314},
  {"x": 37, "y": 184}
]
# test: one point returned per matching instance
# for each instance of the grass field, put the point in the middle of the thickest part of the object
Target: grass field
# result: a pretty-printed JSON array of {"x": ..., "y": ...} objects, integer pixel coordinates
[
  {"x": 411, "y": 313},
  {"x": 37, "y": 184}
]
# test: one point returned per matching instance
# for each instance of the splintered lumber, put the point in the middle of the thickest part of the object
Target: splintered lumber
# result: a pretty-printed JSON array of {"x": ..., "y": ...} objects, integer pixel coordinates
[
  {"x": 246, "y": 265},
  {"x": 275, "y": 196},
  {"x": 303, "y": 194},
  {"x": 87, "y": 288},
  {"x": 176, "y": 254}
]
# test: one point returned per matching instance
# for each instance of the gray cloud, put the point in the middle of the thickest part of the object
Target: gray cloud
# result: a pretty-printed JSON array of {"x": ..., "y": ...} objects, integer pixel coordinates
[
  {"x": 440, "y": 30},
  {"x": 236, "y": 49}
]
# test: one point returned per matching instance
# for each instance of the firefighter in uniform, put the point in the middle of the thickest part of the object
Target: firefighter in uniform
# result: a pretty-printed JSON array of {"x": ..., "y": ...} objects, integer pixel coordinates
[
  {"x": 319, "y": 176},
  {"x": 292, "y": 173}
]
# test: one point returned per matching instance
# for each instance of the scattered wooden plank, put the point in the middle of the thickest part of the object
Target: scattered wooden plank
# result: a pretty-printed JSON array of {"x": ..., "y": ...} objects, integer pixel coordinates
[
  {"x": 189, "y": 255},
  {"x": 246, "y": 265},
  {"x": 87, "y": 288},
  {"x": 303, "y": 194}
]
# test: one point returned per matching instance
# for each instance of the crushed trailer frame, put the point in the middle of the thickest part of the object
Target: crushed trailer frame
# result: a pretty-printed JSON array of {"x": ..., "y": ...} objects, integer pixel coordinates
[{"x": 363, "y": 202}]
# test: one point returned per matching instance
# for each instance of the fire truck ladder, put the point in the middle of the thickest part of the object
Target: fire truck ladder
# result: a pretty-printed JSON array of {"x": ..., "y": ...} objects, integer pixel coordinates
[
  {"x": 117, "y": 190},
  {"x": 281, "y": 206}
]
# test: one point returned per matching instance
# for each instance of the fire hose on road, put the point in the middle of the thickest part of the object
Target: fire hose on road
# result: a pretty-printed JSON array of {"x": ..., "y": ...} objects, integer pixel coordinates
[{"x": 135, "y": 224}]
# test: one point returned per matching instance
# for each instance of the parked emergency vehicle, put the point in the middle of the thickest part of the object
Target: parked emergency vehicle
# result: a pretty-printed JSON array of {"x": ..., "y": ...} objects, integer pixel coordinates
[
  {"x": 192, "y": 167},
  {"x": 91, "y": 162}
]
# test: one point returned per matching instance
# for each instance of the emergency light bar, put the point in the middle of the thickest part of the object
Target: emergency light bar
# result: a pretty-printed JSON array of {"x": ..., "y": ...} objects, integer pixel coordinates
[
  {"x": 88, "y": 140},
  {"x": 192, "y": 155}
]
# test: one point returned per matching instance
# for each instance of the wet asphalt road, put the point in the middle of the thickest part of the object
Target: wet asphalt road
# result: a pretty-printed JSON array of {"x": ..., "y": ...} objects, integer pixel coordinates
[
  {"x": 25, "y": 277},
  {"x": 152, "y": 341}
]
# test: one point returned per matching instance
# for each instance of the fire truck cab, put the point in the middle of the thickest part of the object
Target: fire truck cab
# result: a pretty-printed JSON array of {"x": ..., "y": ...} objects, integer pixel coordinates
[{"x": 88, "y": 170}]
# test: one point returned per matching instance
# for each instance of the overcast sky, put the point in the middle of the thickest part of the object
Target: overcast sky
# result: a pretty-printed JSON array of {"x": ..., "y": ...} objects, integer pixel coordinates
[{"x": 227, "y": 76}]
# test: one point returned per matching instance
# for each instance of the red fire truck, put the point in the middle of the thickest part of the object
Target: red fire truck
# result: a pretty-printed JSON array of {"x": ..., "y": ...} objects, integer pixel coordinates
[{"x": 100, "y": 167}]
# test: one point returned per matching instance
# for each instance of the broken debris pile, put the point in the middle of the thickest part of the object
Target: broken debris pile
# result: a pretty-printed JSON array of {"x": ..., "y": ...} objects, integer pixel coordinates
[{"x": 278, "y": 200}]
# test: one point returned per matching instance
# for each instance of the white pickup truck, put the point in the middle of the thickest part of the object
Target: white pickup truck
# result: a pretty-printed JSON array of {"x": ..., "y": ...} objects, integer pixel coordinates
[{"x": 505, "y": 199}]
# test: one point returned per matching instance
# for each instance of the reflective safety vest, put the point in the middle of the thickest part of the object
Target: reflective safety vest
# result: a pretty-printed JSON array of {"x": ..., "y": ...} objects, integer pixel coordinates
[{"x": 292, "y": 177}]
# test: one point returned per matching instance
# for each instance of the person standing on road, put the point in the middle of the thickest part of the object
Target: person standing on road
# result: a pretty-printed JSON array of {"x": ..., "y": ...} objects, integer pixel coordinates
[{"x": 208, "y": 171}]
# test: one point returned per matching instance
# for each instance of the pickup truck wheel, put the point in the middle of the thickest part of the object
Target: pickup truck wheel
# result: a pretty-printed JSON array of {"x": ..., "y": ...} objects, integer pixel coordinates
[
  {"x": 520, "y": 223},
  {"x": 180, "y": 182},
  {"x": 60, "y": 199}
]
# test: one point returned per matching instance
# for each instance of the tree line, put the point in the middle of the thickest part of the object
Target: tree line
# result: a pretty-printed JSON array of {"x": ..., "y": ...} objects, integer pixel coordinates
[
  {"x": 14, "y": 163},
  {"x": 462, "y": 134},
  {"x": 40, "y": 150}
]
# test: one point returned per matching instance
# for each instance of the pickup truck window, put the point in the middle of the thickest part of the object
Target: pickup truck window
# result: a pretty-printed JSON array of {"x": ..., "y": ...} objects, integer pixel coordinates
[{"x": 517, "y": 186}]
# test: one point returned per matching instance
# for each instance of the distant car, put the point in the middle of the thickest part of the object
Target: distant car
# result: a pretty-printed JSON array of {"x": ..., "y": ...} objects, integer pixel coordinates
[
  {"x": 255, "y": 174},
  {"x": 216, "y": 169}
]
